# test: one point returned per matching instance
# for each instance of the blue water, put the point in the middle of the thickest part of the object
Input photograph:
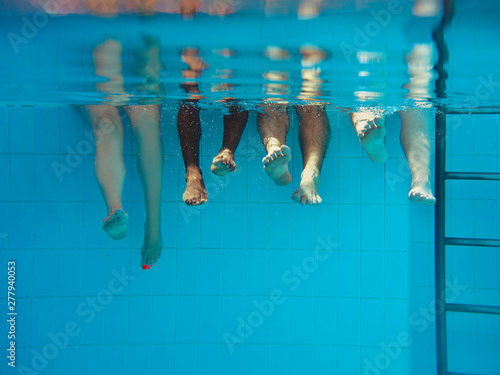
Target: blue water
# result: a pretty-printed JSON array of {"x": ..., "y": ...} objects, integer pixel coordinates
[{"x": 251, "y": 282}]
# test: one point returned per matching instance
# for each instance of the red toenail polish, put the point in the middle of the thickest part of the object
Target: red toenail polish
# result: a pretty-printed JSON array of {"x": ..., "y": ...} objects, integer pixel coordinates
[{"x": 144, "y": 267}]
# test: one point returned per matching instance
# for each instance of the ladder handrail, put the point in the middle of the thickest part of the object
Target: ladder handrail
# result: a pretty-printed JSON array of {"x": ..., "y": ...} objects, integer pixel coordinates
[
  {"x": 471, "y": 176},
  {"x": 485, "y": 242},
  {"x": 439, "y": 242},
  {"x": 475, "y": 309}
]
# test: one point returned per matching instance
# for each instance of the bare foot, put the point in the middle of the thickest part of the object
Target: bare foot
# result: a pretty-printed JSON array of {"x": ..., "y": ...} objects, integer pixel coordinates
[
  {"x": 195, "y": 193},
  {"x": 307, "y": 193},
  {"x": 151, "y": 248},
  {"x": 276, "y": 164},
  {"x": 116, "y": 224},
  {"x": 421, "y": 192},
  {"x": 223, "y": 163},
  {"x": 371, "y": 133}
]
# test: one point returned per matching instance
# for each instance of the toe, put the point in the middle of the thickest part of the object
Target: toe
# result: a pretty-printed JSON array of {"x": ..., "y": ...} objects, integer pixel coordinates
[
  {"x": 415, "y": 195},
  {"x": 430, "y": 199},
  {"x": 379, "y": 121},
  {"x": 285, "y": 150}
]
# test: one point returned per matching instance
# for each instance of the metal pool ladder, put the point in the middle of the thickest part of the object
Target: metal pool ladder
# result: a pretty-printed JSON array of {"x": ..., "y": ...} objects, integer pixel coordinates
[{"x": 441, "y": 240}]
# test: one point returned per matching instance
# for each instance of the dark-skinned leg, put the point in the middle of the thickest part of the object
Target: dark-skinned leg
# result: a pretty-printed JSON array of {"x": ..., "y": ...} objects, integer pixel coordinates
[
  {"x": 189, "y": 129},
  {"x": 234, "y": 124}
]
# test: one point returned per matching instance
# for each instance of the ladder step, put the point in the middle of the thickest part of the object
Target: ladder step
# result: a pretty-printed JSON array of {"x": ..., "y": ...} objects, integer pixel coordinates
[
  {"x": 480, "y": 309},
  {"x": 471, "y": 176},
  {"x": 473, "y": 111},
  {"x": 458, "y": 373},
  {"x": 471, "y": 242}
]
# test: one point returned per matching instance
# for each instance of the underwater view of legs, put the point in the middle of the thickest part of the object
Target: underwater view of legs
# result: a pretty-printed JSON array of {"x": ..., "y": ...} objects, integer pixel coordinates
[
  {"x": 417, "y": 140},
  {"x": 108, "y": 134},
  {"x": 189, "y": 129},
  {"x": 234, "y": 124},
  {"x": 183, "y": 193},
  {"x": 145, "y": 120},
  {"x": 314, "y": 136},
  {"x": 109, "y": 165},
  {"x": 370, "y": 128},
  {"x": 273, "y": 124}
]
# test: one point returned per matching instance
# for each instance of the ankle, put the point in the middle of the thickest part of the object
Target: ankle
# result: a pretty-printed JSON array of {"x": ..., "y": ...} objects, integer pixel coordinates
[
  {"x": 271, "y": 143},
  {"x": 152, "y": 228},
  {"x": 310, "y": 171},
  {"x": 421, "y": 179},
  {"x": 226, "y": 149},
  {"x": 193, "y": 172},
  {"x": 114, "y": 207}
]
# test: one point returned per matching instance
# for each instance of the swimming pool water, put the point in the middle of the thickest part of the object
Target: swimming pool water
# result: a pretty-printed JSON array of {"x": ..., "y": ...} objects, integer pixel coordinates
[{"x": 251, "y": 282}]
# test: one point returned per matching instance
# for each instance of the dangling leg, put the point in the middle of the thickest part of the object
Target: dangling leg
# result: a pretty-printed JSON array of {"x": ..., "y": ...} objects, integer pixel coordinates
[
  {"x": 234, "y": 124},
  {"x": 417, "y": 138},
  {"x": 146, "y": 125},
  {"x": 189, "y": 129},
  {"x": 370, "y": 128},
  {"x": 109, "y": 165},
  {"x": 108, "y": 134},
  {"x": 314, "y": 135},
  {"x": 273, "y": 124}
]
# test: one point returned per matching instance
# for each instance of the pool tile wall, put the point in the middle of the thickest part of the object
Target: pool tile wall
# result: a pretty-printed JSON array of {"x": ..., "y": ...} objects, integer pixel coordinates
[{"x": 221, "y": 261}]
